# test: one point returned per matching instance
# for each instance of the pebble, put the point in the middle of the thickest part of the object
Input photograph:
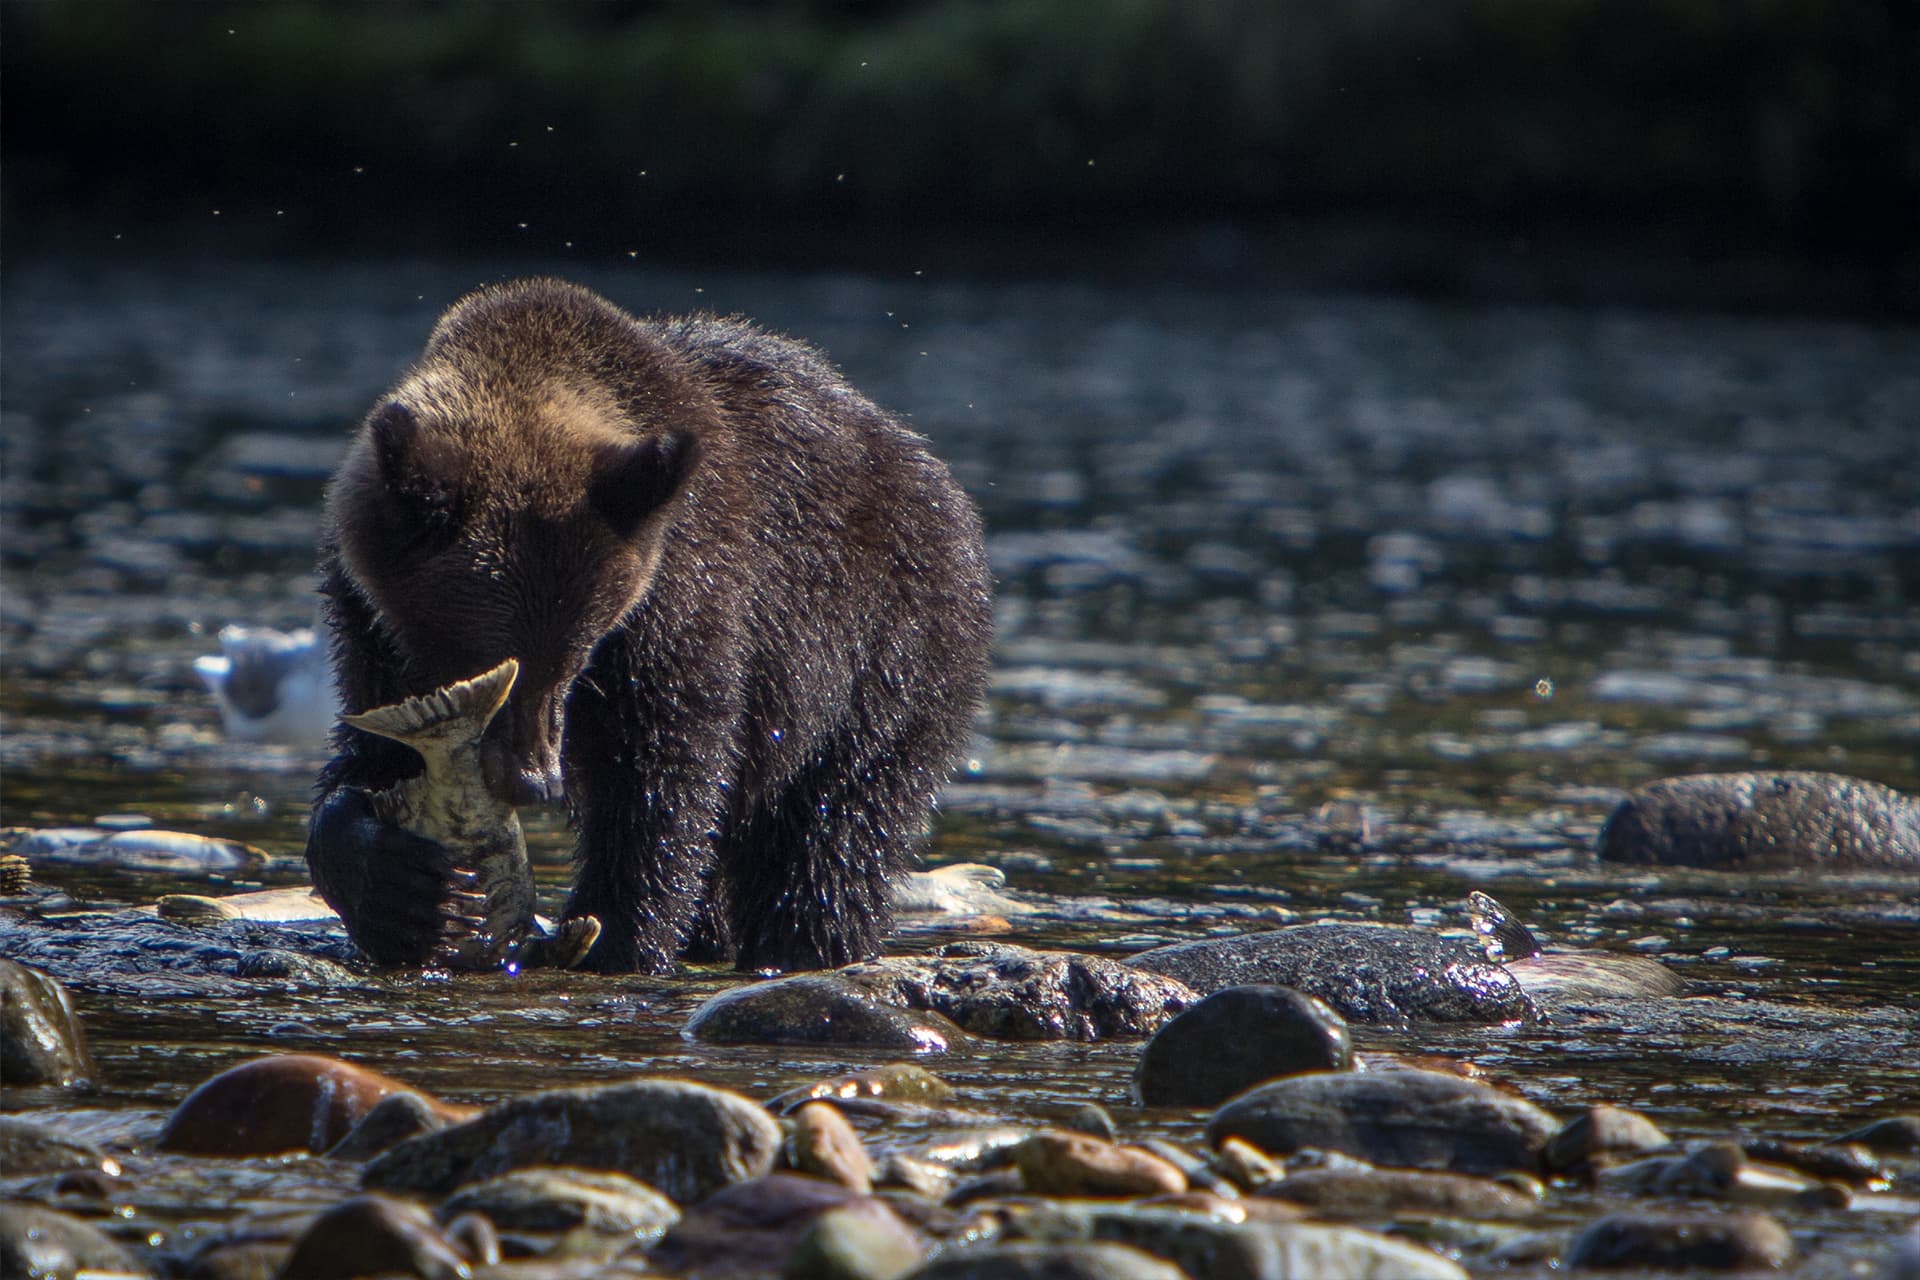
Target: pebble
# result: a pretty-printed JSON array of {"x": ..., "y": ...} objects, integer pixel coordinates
[
  {"x": 1064, "y": 1163},
  {"x": 41, "y": 1041},
  {"x": 1374, "y": 973},
  {"x": 557, "y": 1199},
  {"x": 374, "y": 1235},
  {"x": 37, "y": 1241},
  {"x": 687, "y": 1140},
  {"x": 1794, "y": 819},
  {"x": 1407, "y": 1119},
  {"x": 825, "y": 1145},
  {"x": 818, "y": 1009},
  {"x": 902, "y": 1082},
  {"x": 288, "y": 1102},
  {"x": 1236, "y": 1038},
  {"x": 1722, "y": 1171},
  {"x": 1720, "y": 1241}
]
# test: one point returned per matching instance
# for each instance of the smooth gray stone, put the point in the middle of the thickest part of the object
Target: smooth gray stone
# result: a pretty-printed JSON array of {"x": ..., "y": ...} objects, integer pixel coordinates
[
  {"x": 1236, "y": 1038},
  {"x": 1375, "y": 973},
  {"x": 1369, "y": 1195},
  {"x": 41, "y": 1041},
  {"x": 753, "y": 1227},
  {"x": 685, "y": 1139},
  {"x": 818, "y": 1009},
  {"x": 1722, "y": 820},
  {"x": 1405, "y": 1119}
]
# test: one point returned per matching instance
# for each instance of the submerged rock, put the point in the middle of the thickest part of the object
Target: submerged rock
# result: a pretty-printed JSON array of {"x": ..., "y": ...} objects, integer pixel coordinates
[
  {"x": 176, "y": 852},
  {"x": 137, "y": 955},
  {"x": 1235, "y": 1039},
  {"x": 28, "y": 1147},
  {"x": 37, "y": 1241},
  {"x": 1012, "y": 993},
  {"x": 288, "y": 1102},
  {"x": 818, "y": 1009},
  {"x": 686, "y": 1139},
  {"x": 1367, "y": 972},
  {"x": 1723, "y": 1241},
  {"x": 1721, "y": 1171},
  {"x": 1600, "y": 1134},
  {"x": 1381, "y": 1194},
  {"x": 1407, "y": 1119},
  {"x": 897, "y": 1082},
  {"x": 41, "y": 1042},
  {"x": 1723, "y": 820}
]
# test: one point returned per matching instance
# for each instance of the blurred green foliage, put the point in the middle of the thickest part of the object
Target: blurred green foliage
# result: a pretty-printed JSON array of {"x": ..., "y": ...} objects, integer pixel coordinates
[{"x": 1782, "y": 123}]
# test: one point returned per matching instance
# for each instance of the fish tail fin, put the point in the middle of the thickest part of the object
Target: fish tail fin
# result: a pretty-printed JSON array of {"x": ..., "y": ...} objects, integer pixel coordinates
[{"x": 464, "y": 707}]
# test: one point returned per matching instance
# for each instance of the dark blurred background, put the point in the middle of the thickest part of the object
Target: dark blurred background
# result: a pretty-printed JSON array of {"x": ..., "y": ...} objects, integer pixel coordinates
[{"x": 1758, "y": 153}]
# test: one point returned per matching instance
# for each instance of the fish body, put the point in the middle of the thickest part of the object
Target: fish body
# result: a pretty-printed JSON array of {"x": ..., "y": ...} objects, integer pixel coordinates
[{"x": 450, "y": 804}]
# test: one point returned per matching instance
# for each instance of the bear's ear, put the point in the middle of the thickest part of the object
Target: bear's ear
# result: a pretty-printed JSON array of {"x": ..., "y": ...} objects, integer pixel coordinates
[
  {"x": 414, "y": 464},
  {"x": 635, "y": 478}
]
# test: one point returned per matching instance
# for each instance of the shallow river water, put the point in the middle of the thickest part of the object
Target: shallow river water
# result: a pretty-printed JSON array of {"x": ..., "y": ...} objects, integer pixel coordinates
[{"x": 1308, "y": 607}]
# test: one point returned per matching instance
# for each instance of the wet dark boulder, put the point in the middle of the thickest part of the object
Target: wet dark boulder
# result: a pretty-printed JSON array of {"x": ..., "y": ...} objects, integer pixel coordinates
[
  {"x": 1661, "y": 1241},
  {"x": 41, "y": 1042},
  {"x": 37, "y": 1241},
  {"x": 686, "y": 1139},
  {"x": 1602, "y": 1134},
  {"x": 1235, "y": 1039},
  {"x": 1727, "y": 820},
  {"x": 819, "y": 1009},
  {"x": 1408, "y": 1119},
  {"x": 1373, "y": 973},
  {"x": 1012, "y": 993}
]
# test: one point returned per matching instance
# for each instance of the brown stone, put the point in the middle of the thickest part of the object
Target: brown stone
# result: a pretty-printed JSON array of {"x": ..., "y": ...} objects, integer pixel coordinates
[
  {"x": 1060, "y": 1163},
  {"x": 290, "y": 1102},
  {"x": 825, "y": 1145}
]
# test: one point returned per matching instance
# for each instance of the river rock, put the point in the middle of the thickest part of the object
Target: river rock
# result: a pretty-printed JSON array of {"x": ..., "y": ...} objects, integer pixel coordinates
[
  {"x": 1062, "y": 1163},
  {"x": 1381, "y": 1194},
  {"x": 41, "y": 1042},
  {"x": 1012, "y": 993},
  {"x": 1660, "y": 1241},
  {"x": 1407, "y": 1119},
  {"x": 1722, "y": 1171},
  {"x": 542, "y": 1199},
  {"x": 1556, "y": 978},
  {"x": 751, "y": 1227},
  {"x": 394, "y": 1119},
  {"x": 1236, "y": 1038},
  {"x": 825, "y": 1145},
  {"x": 686, "y": 1139},
  {"x": 37, "y": 1241},
  {"x": 1202, "y": 1246},
  {"x": 135, "y": 955},
  {"x": 1375, "y": 973},
  {"x": 175, "y": 852},
  {"x": 289, "y": 1102},
  {"x": 854, "y": 1243},
  {"x": 1899, "y": 1134},
  {"x": 374, "y": 1235},
  {"x": 1848, "y": 1162},
  {"x": 901, "y": 1082},
  {"x": 1600, "y": 1134},
  {"x": 30, "y": 1147},
  {"x": 1026, "y": 1260},
  {"x": 818, "y": 1009},
  {"x": 1725, "y": 820}
]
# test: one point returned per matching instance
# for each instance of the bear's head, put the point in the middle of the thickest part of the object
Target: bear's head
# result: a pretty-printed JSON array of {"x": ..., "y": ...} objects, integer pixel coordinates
[{"x": 483, "y": 528}]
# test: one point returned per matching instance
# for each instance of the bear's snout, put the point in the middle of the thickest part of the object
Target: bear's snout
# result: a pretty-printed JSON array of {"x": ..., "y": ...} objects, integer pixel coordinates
[{"x": 519, "y": 781}]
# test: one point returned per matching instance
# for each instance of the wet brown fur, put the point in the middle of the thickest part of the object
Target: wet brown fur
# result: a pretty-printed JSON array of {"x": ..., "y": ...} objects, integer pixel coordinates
[{"x": 751, "y": 612}]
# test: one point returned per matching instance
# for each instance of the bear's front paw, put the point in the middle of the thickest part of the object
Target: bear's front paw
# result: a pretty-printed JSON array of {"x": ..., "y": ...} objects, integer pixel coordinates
[{"x": 401, "y": 896}]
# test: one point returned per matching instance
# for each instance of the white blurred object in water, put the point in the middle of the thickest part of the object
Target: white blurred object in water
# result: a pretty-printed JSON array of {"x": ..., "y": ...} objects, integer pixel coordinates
[{"x": 271, "y": 686}]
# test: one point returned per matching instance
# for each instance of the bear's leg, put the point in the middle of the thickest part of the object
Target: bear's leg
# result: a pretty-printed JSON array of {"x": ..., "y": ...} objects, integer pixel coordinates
[{"x": 808, "y": 876}]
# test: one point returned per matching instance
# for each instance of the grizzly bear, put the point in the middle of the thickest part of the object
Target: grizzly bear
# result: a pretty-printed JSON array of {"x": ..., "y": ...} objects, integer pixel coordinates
[{"x": 751, "y": 612}]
